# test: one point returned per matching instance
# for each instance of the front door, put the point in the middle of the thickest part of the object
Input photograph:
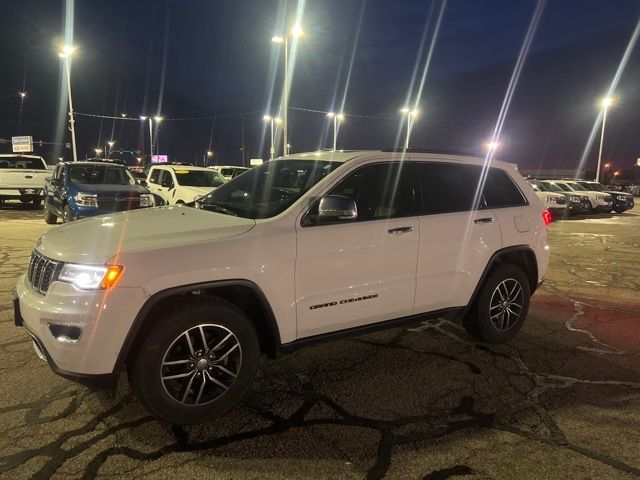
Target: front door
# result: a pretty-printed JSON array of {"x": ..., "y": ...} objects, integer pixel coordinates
[{"x": 359, "y": 272}]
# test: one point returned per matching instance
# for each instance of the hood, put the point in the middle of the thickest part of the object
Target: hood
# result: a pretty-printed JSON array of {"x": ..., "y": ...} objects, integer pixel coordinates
[
  {"x": 197, "y": 190},
  {"x": 109, "y": 190},
  {"x": 97, "y": 239}
]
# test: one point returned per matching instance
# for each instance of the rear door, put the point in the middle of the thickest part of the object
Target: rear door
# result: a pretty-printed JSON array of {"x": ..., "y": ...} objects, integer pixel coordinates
[{"x": 457, "y": 238}]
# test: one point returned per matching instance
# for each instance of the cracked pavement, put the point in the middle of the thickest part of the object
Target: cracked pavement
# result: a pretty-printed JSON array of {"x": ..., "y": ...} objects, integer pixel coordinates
[{"x": 562, "y": 399}]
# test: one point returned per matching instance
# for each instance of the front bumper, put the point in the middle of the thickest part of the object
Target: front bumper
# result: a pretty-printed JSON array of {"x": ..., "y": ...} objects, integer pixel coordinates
[
  {"x": 603, "y": 207},
  {"x": 22, "y": 194},
  {"x": 102, "y": 317},
  {"x": 626, "y": 203}
]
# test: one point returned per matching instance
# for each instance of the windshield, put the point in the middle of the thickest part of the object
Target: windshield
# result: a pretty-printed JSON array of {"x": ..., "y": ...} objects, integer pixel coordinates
[
  {"x": 552, "y": 187},
  {"x": 267, "y": 190},
  {"x": 561, "y": 187},
  {"x": 537, "y": 186},
  {"x": 22, "y": 162},
  {"x": 577, "y": 187},
  {"x": 199, "y": 178},
  {"x": 100, "y": 175},
  {"x": 594, "y": 187}
]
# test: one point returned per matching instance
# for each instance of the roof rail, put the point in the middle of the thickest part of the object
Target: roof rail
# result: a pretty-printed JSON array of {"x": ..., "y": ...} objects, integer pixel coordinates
[{"x": 429, "y": 150}]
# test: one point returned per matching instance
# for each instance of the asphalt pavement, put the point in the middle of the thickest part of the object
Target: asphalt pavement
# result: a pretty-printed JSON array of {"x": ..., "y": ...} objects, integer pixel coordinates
[{"x": 561, "y": 400}]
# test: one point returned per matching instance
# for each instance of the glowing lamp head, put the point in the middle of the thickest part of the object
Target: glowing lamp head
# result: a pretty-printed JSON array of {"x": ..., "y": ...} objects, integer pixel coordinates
[
  {"x": 209, "y": 153},
  {"x": 66, "y": 51},
  {"x": 278, "y": 120},
  {"x": 340, "y": 117},
  {"x": 331, "y": 114},
  {"x": 111, "y": 143},
  {"x": 143, "y": 117},
  {"x": 615, "y": 174},
  {"x": 277, "y": 39},
  {"x": 296, "y": 30},
  {"x": 607, "y": 102},
  {"x": 123, "y": 115},
  {"x": 22, "y": 94},
  {"x": 267, "y": 118},
  {"x": 158, "y": 118},
  {"x": 607, "y": 165},
  {"x": 98, "y": 151},
  {"x": 492, "y": 145}
]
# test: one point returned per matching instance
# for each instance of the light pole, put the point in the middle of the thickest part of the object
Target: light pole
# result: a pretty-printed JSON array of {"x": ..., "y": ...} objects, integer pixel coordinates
[
  {"x": 606, "y": 103},
  {"x": 411, "y": 114},
  {"x": 65, "y": 54},
  {"x": 143, "y": 118},
  {"x": 206, "y": 156},
  {"x": 107, "y": 151},
  {"x": 157, "y": 119},
  {"x": 336, "y": 117},
  {"x": 295, "y": 32},
  {"x": 273, "y": 120},
  {"x": 288, "y": 149}
]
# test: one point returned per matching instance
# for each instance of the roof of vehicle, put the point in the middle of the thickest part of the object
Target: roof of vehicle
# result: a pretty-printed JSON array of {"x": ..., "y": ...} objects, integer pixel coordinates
[
  {"x": 414, "y": 154},
  {"x": 19, "y": 155},
  {"x": 182, "y": 167},
  {"x": 94, "y": 162},
  {"x": 228, "y": 166}
]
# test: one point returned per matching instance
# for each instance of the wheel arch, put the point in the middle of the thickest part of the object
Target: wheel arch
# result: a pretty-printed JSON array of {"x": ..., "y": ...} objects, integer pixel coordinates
[
  {"x": 244, "y": 294},
  {"x": 521, "y": 255}
]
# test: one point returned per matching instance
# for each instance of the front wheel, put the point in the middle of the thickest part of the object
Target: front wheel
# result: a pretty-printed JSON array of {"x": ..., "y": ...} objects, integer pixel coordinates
[
  {"x": 501, "y": 306},
  {"x": 49, "y": 217},
  {"x": 66, "y": 214},
  {"x": 196, "y": 363}
]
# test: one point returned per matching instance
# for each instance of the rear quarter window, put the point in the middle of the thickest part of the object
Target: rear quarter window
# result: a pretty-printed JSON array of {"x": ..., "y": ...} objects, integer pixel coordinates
[{"x": 501, "y": 191}]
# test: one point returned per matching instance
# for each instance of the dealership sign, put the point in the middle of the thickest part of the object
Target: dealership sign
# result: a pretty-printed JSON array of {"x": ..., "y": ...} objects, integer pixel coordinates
[
  {"x": 22, "y": 144},
  {"x": 159, "y": 159},
  {"x": 254, "y": 162}
]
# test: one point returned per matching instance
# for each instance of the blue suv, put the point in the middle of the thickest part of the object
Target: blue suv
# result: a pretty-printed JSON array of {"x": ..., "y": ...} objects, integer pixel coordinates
[{"x": 86, "y": 189}]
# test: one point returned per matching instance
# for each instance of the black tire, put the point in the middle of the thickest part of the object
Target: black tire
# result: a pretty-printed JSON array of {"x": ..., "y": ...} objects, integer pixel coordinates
[
  {"x": 49, "y": 217},
  {"x": 620, "y": 210},
  {"x": 482, "y": 323},
  {"x": 66, "y": 214},
  {"x": 175, "y": 400}
]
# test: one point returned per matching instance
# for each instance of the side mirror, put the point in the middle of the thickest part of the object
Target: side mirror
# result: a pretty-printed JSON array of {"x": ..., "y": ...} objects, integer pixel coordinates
[
  {"x": 55, "y": 182},
  {"x": 143, "y": 183},
  {"x": 337, "y": 208}
]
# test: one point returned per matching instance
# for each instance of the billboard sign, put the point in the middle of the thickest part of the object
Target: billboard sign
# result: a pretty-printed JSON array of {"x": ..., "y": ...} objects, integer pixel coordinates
[
  {"x": 22, "y": 144},
  {"x": 254, "y": 162},
  {"x": 159, "y": 159}
]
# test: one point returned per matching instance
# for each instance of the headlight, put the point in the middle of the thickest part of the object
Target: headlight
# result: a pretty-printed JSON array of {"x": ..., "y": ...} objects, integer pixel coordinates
[
  {"x": 88, "y": 277},
  {"x": 86, "y": 200},
  {"x": 600, "y": 197},
  {"x": 551, "y": 199},
  {"x": 146, "y": 200},
  {"x": 197, "y": 197},
  {"x": 575, "y": 199}
]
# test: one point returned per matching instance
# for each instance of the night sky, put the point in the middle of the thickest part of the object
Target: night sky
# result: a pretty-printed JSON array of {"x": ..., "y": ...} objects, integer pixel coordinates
[{"x": 186, "y": 59}]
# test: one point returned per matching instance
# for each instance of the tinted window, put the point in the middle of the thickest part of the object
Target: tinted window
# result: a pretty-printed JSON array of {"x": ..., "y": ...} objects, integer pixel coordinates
[
  {"x": 155, "y": 175},
  {"x": 199, "y": 178},
  {"x": 18, "y": 162},
  {"x": 99, "y": 175},
  {"x": 447, "y": 187},
  {"x": 500, "y": 191},
  {"x": 379, "y": 190}
]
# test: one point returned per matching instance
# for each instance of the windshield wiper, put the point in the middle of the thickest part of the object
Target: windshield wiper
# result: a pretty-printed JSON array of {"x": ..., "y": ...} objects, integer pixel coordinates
[{"x": 214, "y": 207}]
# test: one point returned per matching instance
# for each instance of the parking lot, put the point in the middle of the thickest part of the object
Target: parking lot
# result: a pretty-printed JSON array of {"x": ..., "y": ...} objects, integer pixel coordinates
[{"x": 422, "y": 402}]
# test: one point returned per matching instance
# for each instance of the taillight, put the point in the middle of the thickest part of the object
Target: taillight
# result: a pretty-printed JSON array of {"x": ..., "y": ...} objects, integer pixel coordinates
[{"x": 547, "y": 218}]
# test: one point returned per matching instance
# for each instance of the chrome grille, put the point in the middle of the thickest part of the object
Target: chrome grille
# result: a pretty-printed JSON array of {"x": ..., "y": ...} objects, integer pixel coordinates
[
  {"x": 42, "y": 271},
  {"x": 561, "y": 201},
  {"x": 118, "y": 204}
]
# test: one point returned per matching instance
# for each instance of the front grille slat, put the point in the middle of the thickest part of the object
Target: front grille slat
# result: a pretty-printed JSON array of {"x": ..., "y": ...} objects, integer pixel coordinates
[{"x": 42, "y": 272}]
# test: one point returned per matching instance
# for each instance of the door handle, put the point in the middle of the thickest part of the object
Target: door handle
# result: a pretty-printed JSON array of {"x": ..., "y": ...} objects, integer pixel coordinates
[
  {"x": 400, "y": 230},
  {"x": 483, "y": 220}
]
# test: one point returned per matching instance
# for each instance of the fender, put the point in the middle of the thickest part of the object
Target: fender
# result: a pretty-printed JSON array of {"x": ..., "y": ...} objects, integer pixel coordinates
[
  {"x": 495, "y": 258},
  {"x": 156, "y": 297}
]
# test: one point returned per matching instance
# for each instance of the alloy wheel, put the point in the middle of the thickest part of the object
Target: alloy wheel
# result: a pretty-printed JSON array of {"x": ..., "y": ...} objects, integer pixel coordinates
[
  {"x": 201, "y": 364},
  {"x": 506, "y": 304}
]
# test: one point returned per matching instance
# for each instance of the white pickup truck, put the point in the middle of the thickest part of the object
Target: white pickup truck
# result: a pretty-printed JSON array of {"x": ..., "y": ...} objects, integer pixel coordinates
[{"x": 22, "y": 178}]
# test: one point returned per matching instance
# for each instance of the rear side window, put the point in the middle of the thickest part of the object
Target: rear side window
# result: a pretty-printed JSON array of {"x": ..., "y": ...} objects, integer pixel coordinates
[
  {"x": 155, "y": 175},
  {"x": 501, "y": 191},
  {"x": 447, "y": 187}
]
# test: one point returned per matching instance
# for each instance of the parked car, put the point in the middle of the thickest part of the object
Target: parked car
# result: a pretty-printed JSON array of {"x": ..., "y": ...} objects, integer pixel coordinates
[
  {"x": 22, "y": 178},
  {"x": 293, "y": 251},
  {"x": 599, "y": 202},
  {"x": 182, "y": 184},
  {"x": 621, "y": 201},
  {"x": 556, "y": 203},
  {"x": 230, "y": 171},
  {"x": 576, "y": 203},
  {"x": 85, "y": 189}
]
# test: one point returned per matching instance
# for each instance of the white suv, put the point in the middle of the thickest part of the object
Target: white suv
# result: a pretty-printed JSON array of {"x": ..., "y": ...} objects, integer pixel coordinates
[
  {"x": 295, "y": 250},
  {"x": 177, "y": 184}
]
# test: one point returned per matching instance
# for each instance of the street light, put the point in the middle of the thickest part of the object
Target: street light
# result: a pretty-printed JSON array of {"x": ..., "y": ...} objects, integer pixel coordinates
[
  {"x": 492, "y": 146},
  {"x": 65, "y": 53},
  {"x": 123, "y": 115},
  {"x": 110, "y": 143},
  {"x": 22, "y": 95},
  {"x": 606, "y": 103},
  {"x": 296, "y": 32},
  {"x": 272, "y": 121},
  {"x": 98, "y": 151},
  {"x": 411, "y": 114},
  {"x": 207, "y": 155},
  {"x": 339, "y": 117}
]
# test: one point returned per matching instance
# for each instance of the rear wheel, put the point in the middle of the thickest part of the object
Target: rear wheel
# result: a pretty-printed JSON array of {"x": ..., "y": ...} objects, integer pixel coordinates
[
  {"x": 49, "y": 217},
  {"x": 196, "y": 363},
  {"x": 501, "y": 307}
]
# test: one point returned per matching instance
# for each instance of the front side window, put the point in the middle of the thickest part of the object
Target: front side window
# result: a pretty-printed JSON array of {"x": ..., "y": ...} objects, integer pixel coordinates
[
  {"x": 379, "y": 190},
  {"x": 155, "y": 176},
  {"x": 447, "y": 187},
  {"x": 501, "y": 191},
  {"x": 199, "y": 178},
  {"x": 267, "y": 190},
  {"x": 100, "y": 175}
]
